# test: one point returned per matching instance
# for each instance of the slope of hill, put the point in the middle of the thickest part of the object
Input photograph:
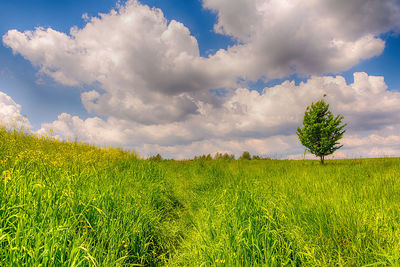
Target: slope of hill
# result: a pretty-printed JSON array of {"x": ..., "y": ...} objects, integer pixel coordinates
[{"x": 67, "y": 203}]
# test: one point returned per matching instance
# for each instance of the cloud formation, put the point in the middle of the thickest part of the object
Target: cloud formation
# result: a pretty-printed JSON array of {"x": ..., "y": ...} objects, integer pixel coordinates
[
  {"x": 10, "y": 114},
  {"x": 264, "y": 123},
  {"x": 149, "y": 70},
  {"x": 152, "y": 89},
  {"x": 146, "y": 67},
  {"x": 280, "y": 37}
]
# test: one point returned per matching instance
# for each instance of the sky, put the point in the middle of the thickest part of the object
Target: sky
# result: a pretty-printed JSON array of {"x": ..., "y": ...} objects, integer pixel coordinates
[{"x": 186, "y": 78}]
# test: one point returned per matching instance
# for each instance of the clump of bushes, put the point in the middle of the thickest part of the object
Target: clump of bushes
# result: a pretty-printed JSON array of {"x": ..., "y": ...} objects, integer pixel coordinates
[
  {"x": 203, "y": 157},
  {"x": 157, "y": 157},
  {"x": 224, "y": 156},
  {"x": 245, "y": 156},
  {"x": 217, "y": 156}
]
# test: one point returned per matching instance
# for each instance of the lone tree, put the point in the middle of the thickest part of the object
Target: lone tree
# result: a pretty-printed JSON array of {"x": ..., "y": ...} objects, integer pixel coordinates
[{"x": 321, "y": 131}]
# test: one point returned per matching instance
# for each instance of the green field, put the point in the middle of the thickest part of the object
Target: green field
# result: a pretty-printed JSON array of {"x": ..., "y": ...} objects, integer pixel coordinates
[{"x": 71, "y": 204}]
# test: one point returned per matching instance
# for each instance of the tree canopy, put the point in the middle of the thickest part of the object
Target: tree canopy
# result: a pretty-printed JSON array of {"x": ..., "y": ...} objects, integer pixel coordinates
[{"x": 321, "y": 131}]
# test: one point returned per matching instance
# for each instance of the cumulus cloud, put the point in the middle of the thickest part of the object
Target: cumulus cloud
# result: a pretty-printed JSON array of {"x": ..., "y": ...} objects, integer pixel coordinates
[
  {"x": 280, "y": 37},
  {"x": 151, "y": 88},
  {"x": 263, "y": 123},
  {"x": 10, "y": 114},
  {"x": 149, "y": 70},
  {"x": 146, "y": 67}
]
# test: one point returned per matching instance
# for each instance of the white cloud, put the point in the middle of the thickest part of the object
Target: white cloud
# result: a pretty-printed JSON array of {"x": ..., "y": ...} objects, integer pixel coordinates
[
  {"x": 146, "y": 67},
  {"x": 149, "y": 70},
  {"x": 263, "y": 123},
  {"x": 92, "y": 130},
  {"x": 151, "y": 86},
  {"x": 280, "y": 37},
  {"x": 10, "y": 114}
]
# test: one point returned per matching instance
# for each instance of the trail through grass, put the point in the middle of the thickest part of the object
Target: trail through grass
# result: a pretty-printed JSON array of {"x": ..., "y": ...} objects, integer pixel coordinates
[{"x": 67, "y": 203}]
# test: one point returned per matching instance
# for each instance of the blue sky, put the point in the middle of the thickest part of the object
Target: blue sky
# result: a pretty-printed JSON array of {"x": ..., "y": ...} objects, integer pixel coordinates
[
  {"x": 43, "y": 98},
  {"x": 43, "y": 102}
]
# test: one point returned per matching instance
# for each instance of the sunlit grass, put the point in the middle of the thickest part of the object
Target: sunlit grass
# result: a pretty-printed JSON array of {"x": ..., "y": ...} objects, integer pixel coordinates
[{"x": 68, "y": 203}]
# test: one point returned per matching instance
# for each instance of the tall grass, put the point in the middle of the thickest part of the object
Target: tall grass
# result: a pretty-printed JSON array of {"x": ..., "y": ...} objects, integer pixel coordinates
[
  {"x": 67, "y": 203},
  {"x": 293, "y": 213},
  {"x": 73, "y": 204}
]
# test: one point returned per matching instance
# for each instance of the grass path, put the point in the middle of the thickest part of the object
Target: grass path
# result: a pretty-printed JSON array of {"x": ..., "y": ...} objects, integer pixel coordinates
[
  {"x": 285, "y": 212},
  {"x": 70, "y": 204}
]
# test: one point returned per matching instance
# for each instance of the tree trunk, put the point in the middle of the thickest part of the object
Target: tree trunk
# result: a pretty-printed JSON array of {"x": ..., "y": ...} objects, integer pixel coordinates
[{"x": 322, "y": 159}]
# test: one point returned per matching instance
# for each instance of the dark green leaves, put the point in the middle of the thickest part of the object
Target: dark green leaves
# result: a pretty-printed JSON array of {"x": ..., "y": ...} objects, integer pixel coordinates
[{"x": 321, "y": 131}]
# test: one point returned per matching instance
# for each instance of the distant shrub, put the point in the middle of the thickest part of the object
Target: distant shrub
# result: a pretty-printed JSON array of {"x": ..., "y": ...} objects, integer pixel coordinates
[
  {"x": 256, "y": 157},
  {"x": 157, "y": 157},
  {"x": 224, "y": 156},
  {"x": 245, "y": 155},
  {"x": 203, "y": 157}
]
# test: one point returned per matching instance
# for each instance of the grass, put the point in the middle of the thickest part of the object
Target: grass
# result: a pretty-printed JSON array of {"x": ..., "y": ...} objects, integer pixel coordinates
[{"x": 67, "y": 203}]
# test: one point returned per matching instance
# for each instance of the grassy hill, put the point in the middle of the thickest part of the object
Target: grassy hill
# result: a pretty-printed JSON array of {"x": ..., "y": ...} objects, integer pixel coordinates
[{"x": 67, "y": 203}]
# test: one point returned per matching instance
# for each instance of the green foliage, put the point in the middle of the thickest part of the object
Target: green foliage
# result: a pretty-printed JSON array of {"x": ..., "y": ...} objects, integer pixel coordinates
[
  {"x": 256, "y": 157},
  {"x": 245, "y": 155},
  {"x": 203, "y": 157},
  {"x": 224, "y": 156},
  {"x": 321, "y": 131},
  {"x": 71, "y": 204},
  {"x": 157, "y": 157}
]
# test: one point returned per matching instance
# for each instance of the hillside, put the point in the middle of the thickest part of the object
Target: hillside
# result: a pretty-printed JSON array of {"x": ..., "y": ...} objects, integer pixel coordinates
[{"x": 68, "y": 203}]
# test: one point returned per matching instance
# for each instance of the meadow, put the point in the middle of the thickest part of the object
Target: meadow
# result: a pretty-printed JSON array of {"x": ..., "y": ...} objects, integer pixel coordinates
[{"x": 72, "y": 204}]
